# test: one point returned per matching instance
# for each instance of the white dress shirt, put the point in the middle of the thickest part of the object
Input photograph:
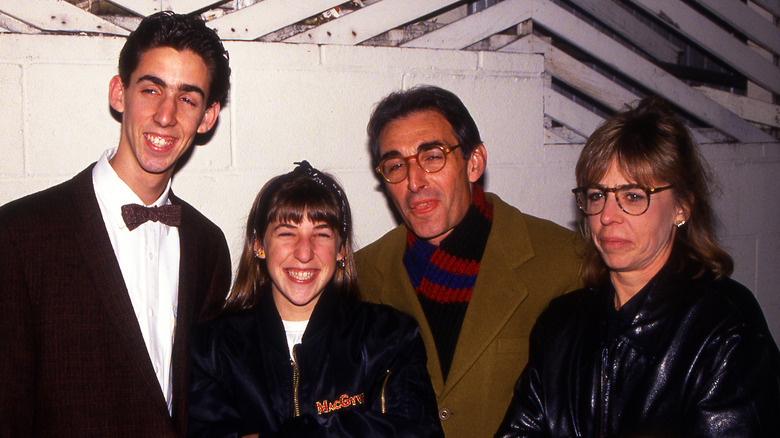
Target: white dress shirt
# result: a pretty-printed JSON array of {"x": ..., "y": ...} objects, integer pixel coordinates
[{"x": 149, "y": 259}]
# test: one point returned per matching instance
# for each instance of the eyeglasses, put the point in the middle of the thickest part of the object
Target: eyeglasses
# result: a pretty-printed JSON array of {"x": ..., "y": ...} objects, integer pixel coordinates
[
  {"x": 631, "y": 198},
  {"x": 430, "y": 158}
]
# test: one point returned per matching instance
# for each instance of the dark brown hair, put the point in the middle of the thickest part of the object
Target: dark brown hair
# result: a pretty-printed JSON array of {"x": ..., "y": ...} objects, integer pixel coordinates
[
  {"x": 400, "y": 104},
  {"x": 180, "y": 32},
  {"x": 652, "y": 146},
  {"x": 304, "y": 192}
]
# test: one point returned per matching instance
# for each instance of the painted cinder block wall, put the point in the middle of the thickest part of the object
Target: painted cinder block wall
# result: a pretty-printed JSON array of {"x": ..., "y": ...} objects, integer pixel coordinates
[{"x": 291, "y": 102}]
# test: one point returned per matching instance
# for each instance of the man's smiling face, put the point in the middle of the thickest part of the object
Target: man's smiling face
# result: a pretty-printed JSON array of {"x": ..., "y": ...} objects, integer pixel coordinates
[
  {"x": 163, "y": 107},
  {"x": 431, "y": 204}
]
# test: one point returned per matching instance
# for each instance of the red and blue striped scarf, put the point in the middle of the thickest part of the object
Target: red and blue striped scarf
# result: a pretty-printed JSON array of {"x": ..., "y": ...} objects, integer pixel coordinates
[{"x": 443, "y": 277}]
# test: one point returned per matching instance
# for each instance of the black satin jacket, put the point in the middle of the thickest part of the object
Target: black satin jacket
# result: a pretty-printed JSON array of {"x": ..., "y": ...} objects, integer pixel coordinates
[
  {"x": 697, "y": 359},
  {"x": 360, "y": 371}
]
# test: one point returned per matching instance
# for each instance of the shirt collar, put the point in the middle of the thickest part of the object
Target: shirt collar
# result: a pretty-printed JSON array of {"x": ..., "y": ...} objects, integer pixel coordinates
[{"x": 114, "y": 193}]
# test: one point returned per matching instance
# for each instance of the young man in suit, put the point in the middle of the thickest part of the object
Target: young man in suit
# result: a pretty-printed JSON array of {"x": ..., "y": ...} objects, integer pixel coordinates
[
  {"x": 474, "y": 271},
  {"x": 103, "y": 277}
]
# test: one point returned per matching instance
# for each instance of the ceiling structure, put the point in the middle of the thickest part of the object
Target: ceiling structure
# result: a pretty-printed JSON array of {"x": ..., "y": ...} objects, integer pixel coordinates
[{"x": 715, "y": 60}]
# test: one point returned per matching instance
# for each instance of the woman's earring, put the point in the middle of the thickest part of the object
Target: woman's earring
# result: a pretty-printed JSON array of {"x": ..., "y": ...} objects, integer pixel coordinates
[
  {"x": 680, "y": 223},
  {"x": 342, "y": 264},
  {"x": 260, "y": 253}
]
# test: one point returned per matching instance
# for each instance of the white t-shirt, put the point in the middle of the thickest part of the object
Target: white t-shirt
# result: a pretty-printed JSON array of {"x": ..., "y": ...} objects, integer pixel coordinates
[{"x": 294, "y": 331}]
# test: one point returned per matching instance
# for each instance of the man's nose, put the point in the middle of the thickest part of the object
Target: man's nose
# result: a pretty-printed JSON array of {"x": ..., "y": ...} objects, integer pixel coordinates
[
  {"x": 417, "y": 177},
  {"x": 166, "y": 111}
]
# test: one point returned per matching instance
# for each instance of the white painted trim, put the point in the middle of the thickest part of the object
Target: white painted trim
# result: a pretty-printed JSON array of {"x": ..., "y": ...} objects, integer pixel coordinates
[
  {"x": 575, "y": 73},
  {"x": 267, "y": 16},
  {"x": 762, "y": 31},
  {"x": 649, "y": 75},
  {"x": 750, "y": 109},
  {"x": 368, "y": 22},
  {"x": 476, "y": 27},
  {"x": 631, "y": 28},
  {"x": 714, "y": 39},
  {"x": 58, "y": 16},
  {"x": 578, "y": 118}
]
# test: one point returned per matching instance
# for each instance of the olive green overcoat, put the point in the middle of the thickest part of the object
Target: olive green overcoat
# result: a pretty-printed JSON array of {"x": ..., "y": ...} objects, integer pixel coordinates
[{"x": 527, "y": 262}]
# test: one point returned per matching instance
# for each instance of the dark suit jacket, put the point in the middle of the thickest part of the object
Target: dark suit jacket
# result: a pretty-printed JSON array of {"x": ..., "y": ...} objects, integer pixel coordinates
[{"x": 73, "y": 361}]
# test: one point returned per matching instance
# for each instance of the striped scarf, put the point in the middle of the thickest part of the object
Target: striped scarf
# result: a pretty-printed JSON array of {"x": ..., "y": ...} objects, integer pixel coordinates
[{"x": 443, "y": 277}]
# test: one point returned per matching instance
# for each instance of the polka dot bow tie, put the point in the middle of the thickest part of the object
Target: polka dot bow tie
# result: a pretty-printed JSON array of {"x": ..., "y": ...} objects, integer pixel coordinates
[{"x": 134, "y": 215}]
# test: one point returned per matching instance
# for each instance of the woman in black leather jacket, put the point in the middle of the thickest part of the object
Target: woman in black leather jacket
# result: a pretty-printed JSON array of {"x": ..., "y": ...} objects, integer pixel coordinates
[
  {"x": 296, "y": 354},
  {"x": 662, "y": 343}
]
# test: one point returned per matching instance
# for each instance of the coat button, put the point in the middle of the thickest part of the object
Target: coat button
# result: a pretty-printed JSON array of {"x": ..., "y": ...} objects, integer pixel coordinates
[{"x": 444, "y": 414}]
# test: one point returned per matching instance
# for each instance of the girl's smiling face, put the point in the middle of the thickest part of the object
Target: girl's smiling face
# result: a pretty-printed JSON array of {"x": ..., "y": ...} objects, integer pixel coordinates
[{"x": 301, "y": 259}]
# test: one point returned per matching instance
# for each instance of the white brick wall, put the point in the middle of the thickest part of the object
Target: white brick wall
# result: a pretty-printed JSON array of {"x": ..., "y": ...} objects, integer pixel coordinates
[{"x": 291, "y": 102}]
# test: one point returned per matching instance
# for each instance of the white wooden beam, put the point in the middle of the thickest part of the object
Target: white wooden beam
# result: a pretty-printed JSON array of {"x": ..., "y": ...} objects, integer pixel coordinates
[
  {"x": 187, "y": 6},
  {"x": 58, "y": 16},
  {"x": 368, "y": 22},
  {"x": 476, "y": 27},
  {"x": 143, "y": 8},
  {"x": 646, "y": 73},
  {"x": 262, "y": 18},
  {"x": 11, "y": 24},
  {"x": 715, "y": 40},
  {"x": 772, "y": 6},
  {"x": 749, "y": 109},
  {"x": 554, "y": 136},
  {"x": 574, "y": 73},
  {"x": 574, "y": 116},
  {"x": 631, "y": 28},
  {"x": 762, "y": 31}
]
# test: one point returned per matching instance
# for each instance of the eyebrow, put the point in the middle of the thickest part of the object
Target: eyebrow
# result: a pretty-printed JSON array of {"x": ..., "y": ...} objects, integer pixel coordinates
[
  {"x": 424, "y": 145},
  {"x": 187, "y": 88}
]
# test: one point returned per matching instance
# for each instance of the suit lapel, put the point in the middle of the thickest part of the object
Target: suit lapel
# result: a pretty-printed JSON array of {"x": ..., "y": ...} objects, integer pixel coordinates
[
  {"x": 190, "y": 248},
  {"x": 497, "y": 294},
  {"x": 99, "y": 258}
]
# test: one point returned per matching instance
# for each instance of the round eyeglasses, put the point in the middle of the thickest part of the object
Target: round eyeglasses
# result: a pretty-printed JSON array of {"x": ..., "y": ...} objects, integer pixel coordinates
[
  {"x": 431, "y": 159},
  {"x": 631, "y": 198}
]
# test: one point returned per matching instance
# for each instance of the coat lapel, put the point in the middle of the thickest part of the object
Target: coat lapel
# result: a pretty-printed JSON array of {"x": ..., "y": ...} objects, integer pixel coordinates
[
  {"x": 496, "y": 295},
  {"x": 99, "y": 258},
  {"x": 407, "y": 302},
  {"x": 188, "y": 305}
]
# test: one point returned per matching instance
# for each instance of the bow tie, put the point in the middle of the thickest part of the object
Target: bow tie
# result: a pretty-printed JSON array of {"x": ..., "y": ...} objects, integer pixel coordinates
[{"x": 135, "y": 215}]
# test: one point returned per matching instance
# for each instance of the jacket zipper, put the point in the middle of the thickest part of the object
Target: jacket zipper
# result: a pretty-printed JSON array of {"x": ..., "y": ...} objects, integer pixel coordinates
[
  {"x": 384, "y": 383},
  {"x": 604, "y": 388},
  {"x": 296, "y": 382}
]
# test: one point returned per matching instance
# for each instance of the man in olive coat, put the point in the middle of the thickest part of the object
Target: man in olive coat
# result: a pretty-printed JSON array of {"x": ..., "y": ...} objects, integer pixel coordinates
[{"x": 474, "y": 271}]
